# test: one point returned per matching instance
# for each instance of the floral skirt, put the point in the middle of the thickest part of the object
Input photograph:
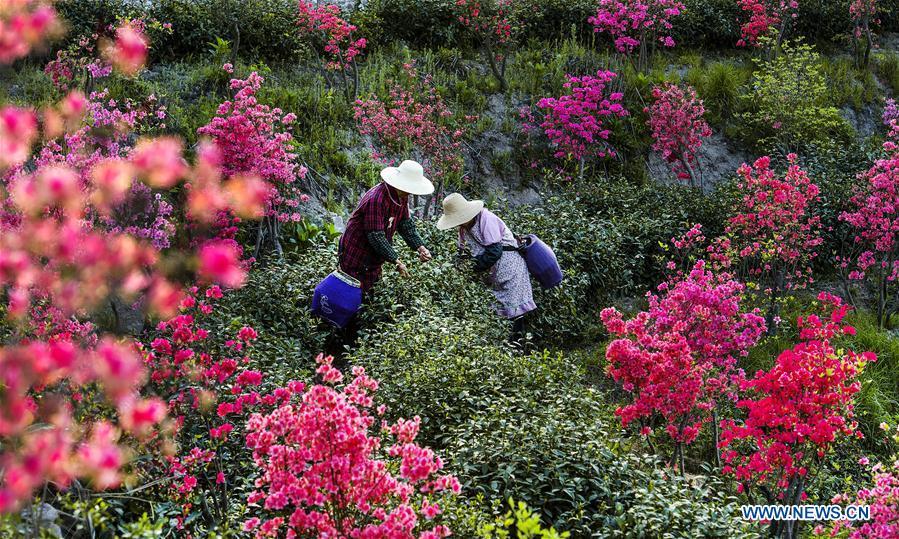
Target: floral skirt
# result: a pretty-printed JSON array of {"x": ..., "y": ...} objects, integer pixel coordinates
[{"x": 511, "y": 284}]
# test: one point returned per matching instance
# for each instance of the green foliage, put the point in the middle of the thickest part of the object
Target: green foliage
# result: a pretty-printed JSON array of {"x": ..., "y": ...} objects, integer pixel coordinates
[
  {"x": 425, "y": 23},
  {"x": 254, "y": 28},
  {"x": 720, "y": 84},
  {"x": 511, "y": 424},
  {"x": 276, "y": 302},
  {"x": 789, "y": 104},
  {"x": 824, "y": 21},
  {"x": 877, "y": 402},
  {"x": 849, "y": 85},
  {"x": 549, "y": 19},
  {"x": 835, "y": 171},
  {"x": 27, "y": 85},
  {"x": 886, "y": 64},
  {"x": 520, "y": 522},
  {"x": 557, "y": 457},
  {"x": 709, "y": 23}
]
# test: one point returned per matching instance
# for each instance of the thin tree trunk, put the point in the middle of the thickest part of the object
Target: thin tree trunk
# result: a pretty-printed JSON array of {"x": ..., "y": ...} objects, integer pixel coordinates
[
  {"x": 236, "y": 43},
  {"x": 692, "y": 173},
  {"x": 260, "y": 238},
  {"x": 881, "y": 301},
  {"x": 497, "y": 73},
  {"x": 276, "y": 235},
  {"x": 868, "y": 44}
]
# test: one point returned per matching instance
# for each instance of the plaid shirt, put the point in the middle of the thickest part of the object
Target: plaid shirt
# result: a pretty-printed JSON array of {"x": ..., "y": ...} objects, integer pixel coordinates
[{"x": 380, "y": 209}]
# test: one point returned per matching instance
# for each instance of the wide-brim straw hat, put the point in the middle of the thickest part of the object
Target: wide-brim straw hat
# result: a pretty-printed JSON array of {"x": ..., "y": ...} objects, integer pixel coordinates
[
  {"x": 409, "y": 177},
  {"x": 458, "y": 211}
]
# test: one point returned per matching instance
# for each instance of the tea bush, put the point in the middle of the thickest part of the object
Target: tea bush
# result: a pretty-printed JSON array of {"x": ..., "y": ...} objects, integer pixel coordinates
[
  {"x": 277, "y": 300},
  {"x": 512, "y": 424},
  {"x": 256, "y": 28},
  {"x": 557, "y": 457}
]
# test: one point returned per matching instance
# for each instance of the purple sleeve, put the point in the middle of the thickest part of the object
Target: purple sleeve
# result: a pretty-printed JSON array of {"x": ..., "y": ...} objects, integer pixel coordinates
[{"x": 492, "y": 228}]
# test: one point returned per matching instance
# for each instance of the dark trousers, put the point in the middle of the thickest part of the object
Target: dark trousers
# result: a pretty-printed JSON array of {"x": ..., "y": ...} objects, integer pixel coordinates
[
  {"x": 342, "y": 340},
  {"x": 519, "y": 331}
]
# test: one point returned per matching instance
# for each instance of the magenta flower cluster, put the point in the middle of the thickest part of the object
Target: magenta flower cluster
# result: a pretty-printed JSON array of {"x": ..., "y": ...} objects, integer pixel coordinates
[
  {"x": 254, "y": 139},
  {"x": 798, "y": 410},
  {"x": 775, "y": 231},
  {"x": 678, "y": 126},
  {"x": 327, "y": 473},
  {"x": 679, "y": 357},
  {"x": 632, "y": 22},
  {"x": 765, "y": 18},
  {"x": 323, "y": 21},
  {"x": 414, "y": 114},
  {"x": 104, "y": 135},
  {"x": 577, "y": 123}
]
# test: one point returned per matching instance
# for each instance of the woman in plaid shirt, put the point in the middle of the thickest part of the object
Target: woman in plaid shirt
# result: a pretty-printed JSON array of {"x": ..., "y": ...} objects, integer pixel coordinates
[{"x": 382, "y": 212}]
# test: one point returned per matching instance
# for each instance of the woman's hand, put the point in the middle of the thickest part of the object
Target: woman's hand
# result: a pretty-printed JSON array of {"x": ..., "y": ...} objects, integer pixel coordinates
[
  {"x": 423, "y": 254},
  {"x": 402, "y": 269}
]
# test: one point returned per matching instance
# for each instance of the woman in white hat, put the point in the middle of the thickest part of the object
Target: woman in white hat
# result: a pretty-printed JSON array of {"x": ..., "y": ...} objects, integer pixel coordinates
[
  {"x": 367, "y": 242},
  {"x": 495, "y": 251}
]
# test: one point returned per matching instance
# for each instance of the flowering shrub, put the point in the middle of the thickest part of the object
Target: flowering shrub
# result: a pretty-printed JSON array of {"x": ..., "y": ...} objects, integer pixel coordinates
[
  {"x": 796, "y": 412},
  {"x": 678, "y": 127},
  {"x": 774, "y": 231},
  {"x": 129, "y": 48},
  {"x": 87, "y": 59},
  {"x": 77, "y": 66},
  {"x": 332, "y": 37},
  {"x": 254, "y": 139},
  {"x": 56, "y": 381},
  {"x": 577, "y": 123},
  {"x": 765, "y": 18},
  {"x": 24, "y": 24},
  {"x": 208, "y": 387},
  {"x": 90, "y": 150},
  {"x": 679, "y": 357},
  {"x": 324, "y": 472},
  {"x": 874, "y": 218},
  {"x": 494, "y": 24},
  {"x": 881, "y": 497},
  {"x": 637, "y": 23},
  {"x": 414, "y": 118},
  {"x": 890, "y": 116}
]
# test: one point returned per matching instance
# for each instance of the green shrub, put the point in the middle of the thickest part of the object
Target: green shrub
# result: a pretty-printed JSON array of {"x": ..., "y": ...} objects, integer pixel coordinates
[
  {"x": 791, "y": 107},
  {"x": 276, "y": 301},
  {"x": 521, "y": 520},
  {"x": 847, "y": 84},
  {"x": 556, "y": 458},
  {"x": 255, "y": 28},
  {"x": 425, "y": 23},
  {"x": 607, "y": 241},
  {"x": 720, "y": 85},
  {"x": 878, "y": 401},
  {"x": 84, "y": 17},
  {"x": 708, "y": 23},
  {"x": 886, "y": 64}
]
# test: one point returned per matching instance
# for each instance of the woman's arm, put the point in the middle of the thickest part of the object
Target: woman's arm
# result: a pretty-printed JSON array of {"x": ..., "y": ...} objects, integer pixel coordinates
[
  {"x": 491, "y": 255},
  {"x": 409, "y": 233},
  {"x": 378, "y": 241}
]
